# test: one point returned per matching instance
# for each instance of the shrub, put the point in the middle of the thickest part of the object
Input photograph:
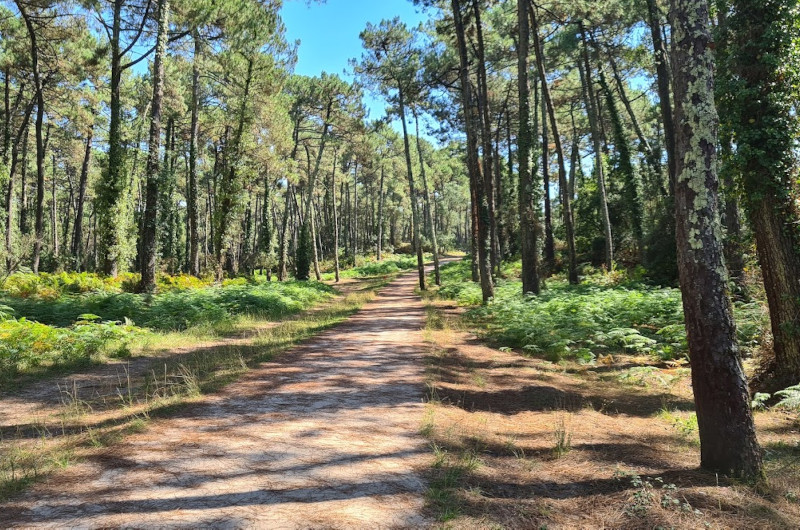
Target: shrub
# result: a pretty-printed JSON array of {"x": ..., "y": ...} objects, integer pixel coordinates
[
  {"x": 25, "y": 345},
  {"x": 604, "y": 314},
  {"x": 176, "y": 309}
]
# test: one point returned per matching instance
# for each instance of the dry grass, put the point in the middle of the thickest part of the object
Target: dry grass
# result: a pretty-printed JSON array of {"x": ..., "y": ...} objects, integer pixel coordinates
[{"x": 570, "y": 446}]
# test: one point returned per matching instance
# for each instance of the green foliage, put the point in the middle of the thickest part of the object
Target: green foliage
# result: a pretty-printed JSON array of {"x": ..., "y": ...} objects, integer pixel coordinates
[
  {"x": 389, "y": 265},
  {"x": 650, "y": 491},
  {"x": 594, "y": 318},
  {"x": 27, "y": 345},
  {"x": 177, "y": 309},
  {"x": 47, "y": 286},
  {"x": 790, "y": 398}
]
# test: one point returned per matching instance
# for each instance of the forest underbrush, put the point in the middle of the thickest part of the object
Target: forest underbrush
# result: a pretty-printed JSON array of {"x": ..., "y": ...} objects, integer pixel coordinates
[{"x": 577, "y": 412}]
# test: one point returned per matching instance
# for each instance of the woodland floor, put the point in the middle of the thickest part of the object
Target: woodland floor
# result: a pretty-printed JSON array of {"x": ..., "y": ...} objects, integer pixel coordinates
[
  {"x": 338, "y": 432},
  {"x": 521, "y": 442}
]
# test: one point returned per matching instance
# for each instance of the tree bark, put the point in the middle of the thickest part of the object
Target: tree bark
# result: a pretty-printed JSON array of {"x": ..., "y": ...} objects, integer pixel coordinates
[
  {"x": 227, "y": 202},
  {"x": 153, "y": 170},
  {"x": 594, "y": 118},
  {"x": 663, "y": 81},
  {"x": 40, "y": 154},
  {"x": 549, "y": 242},
  {"x": 527, "y": 203},
  {"x": 428, "y": 210},
  {"x": 111, "y": 188},
  {"x": 335, "y": 221},
  {"x": 727, "y": 435},
  {"x": 766, "y": 128},
  {"x": 485, "y": 126},
  {"x": 379, "y": 235},
  {"x": 472, "y": 126},
  {"x": 22, "y": 136},
  {"x": 191, "y": 192},
  {"x": 412, "y": 194},
  {"x": 77, "y": 237},
  {"x": 566, "y": 208}
]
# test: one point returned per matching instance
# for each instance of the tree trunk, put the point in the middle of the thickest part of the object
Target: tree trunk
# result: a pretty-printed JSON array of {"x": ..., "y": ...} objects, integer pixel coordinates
[
  {"x": 191, "y": 192},
  {"x": 227, "y": 201},
  {"x": 472, "y": 122},
  {"x": 766, "y": 128},
  {"x": 527, "y": 197},
  {"x": 153, "y": 170},
  {"x": 663, "y": 80},
  {"x": 412, "y": 194},
  {"x": 335, "y": 220},
  {"x": 428, "y": 210},
  {"x": 77, "y": 237},
  {"x": 282, "y": 250},
  {"x": 549, "y": 242},
  {"x": 379, "y": 235},
  {"x": 485, "y": 123},
  {"x": 594, "y": 119},
  {"x": 53, "y": 212},
  {"x": 315, "y": 255},
  {"x": 644, "y": 146},
  {"x": 566, "y": 208},
  {"x": 23, "y": 175},
  {"x": 40, "y": 154},
  {"x": 727, "y": 435},
  {"x": 111, "y": 189},
  {"x": 22, "y": 136}
]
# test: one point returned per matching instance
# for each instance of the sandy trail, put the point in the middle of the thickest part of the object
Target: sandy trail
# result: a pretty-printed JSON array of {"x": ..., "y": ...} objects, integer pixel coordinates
[
  {"x": 43, "y": 401},
  {"x": 324, "y": 437}
]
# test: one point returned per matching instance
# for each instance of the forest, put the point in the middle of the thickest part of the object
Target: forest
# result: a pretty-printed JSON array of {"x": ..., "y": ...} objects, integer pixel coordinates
[{"x": 600, "y": 195}]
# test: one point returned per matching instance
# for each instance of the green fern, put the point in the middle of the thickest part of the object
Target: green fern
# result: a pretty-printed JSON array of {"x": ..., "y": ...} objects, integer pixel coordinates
[{"x": 790, "y": 398}]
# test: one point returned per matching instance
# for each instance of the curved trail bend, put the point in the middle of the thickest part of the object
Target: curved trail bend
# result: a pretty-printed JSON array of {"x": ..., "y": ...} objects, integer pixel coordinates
[{"x": 326, "y": 436}]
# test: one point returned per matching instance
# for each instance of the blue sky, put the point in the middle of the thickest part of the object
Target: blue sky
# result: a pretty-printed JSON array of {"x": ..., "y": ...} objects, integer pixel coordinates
[{"x": 328, "y": 33}]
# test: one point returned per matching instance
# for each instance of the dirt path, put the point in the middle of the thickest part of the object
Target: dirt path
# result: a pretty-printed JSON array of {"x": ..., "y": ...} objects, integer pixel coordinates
[
  {"x": 42, "y": 402},
  {"x": 325, "y": 437}
]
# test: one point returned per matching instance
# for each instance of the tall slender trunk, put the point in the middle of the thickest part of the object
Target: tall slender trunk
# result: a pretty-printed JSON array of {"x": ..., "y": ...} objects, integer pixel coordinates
[
  {"x": 485, "y": 123},
  {"x": 379, "y": 235},
  {"x": 53, "y": 212},
  {"x": 282, "y": 250},
  {"x": 22, "y": 136},
  {"x": 472, "y": 122},
  {"x": 227, "y": 191},
  {"x": 473, "y": 232},
  {"x": 594, "y": 119},
  {"x": 566, "y": 209},
  {"x": 353, "y": 210},
  {"x": 191, "y": 192},
  {"x": 528, "y": 206},
  {"x": 765, "y": 123},
  {"x": 308, "y": 212},
  {"x": 412, "y": 194},
  {"x": 727, "y": 435},
  {"x": 111, "y": 189},
  {"x": 426, "y": 196},
  {"x": 150, "y": 223},
  {"x": 23, "y": 176},
  {"x": 40, "y": 154},
  {"x": 77, "y": 237},
  {"x": 315, "y": 254},
  {"x": 663, "y": 81},
  {"x": 335, "y": 220},
  {"x": 644, "y": 146},
  {"x": 549, "y": 242}
]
